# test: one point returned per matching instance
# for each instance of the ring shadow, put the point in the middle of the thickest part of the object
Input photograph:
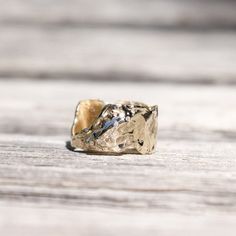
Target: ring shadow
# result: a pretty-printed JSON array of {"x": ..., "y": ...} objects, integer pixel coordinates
[{"x": 72, "y": 149}]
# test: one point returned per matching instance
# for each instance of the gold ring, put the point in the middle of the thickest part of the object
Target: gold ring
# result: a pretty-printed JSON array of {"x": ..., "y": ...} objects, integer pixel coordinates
[{"x": 122, "y": 127}]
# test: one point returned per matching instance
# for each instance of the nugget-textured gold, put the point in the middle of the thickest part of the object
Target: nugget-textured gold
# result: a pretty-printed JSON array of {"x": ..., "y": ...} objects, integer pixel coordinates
[{"x": 122, "y": 127}]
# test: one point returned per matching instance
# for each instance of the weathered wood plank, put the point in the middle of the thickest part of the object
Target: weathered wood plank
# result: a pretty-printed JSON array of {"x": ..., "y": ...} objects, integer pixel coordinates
[
  {"x": 186, "y": 112},
  {"x": 191, "y": 178},
  {"x": 188, "y": 186},
  {"x": 94, "y": 222},
  {"x": 121, "y": 13},
  {"x": 182, "y": 177},
  {"x": 111, "y": 55}
]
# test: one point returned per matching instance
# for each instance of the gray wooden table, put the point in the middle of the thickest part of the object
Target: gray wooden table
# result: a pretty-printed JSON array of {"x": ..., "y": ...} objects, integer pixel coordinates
[{"x": 178, "y": 54}]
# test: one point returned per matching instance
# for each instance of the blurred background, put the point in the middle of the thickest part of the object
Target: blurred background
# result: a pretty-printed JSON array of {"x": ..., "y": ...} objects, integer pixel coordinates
[
  {"x": 179, "y": 54},
  {"x": 170, "y": 41},
  {"x": 55, "y": 52}
]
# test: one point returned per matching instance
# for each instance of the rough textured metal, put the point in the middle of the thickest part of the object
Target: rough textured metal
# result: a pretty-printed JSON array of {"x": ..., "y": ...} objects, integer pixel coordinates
[{"x": 123, "y": 127}]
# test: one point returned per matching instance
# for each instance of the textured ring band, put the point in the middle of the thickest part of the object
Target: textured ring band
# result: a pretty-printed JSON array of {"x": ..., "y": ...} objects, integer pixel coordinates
[{"x": 123, "y": 127}]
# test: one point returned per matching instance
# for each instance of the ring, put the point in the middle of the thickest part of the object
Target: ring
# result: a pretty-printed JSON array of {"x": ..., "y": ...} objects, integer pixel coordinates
[{"x": 122, "y": 127}]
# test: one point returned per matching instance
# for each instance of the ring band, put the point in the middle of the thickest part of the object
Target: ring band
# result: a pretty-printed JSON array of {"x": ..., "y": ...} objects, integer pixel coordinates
[{"x": 123, "y": 127}]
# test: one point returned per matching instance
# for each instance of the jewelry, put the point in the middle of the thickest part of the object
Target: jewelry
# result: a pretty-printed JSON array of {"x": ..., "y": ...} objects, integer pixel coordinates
[{"x": 123, "y": 127}]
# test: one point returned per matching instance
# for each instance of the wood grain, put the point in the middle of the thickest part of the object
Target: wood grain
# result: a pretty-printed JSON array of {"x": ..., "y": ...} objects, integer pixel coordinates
[
  {"x": 178, "y": 54},
  {"x": 191, "y": 173}
]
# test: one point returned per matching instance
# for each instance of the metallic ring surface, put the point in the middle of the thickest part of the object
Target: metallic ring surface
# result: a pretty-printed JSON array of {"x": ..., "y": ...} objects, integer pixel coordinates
[{"x": 122, "y": 127}]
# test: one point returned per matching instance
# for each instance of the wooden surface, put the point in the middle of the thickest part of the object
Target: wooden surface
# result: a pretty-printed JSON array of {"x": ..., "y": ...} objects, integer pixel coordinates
[
  {"x": 178, "y": 54},
  {"x": 187, "y": 186},
  {"x": 111, "y": 55}
]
